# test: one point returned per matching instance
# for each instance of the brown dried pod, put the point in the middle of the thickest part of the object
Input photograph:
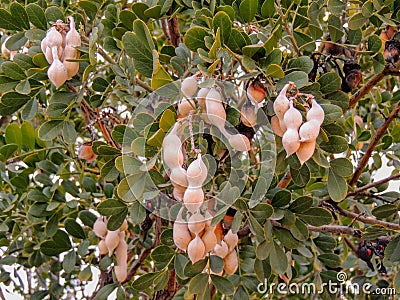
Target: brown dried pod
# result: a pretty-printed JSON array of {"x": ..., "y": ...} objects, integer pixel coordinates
[
  {"x": 124, "y": 226},
  {"x": 121, "y": 272},
  {"x": 178, "y": 192},
  {"x": 231, "y": 240},
  {"x": 309, "y": 131},
  {"x": 197, "y": 172},
  {"x": 281, "y": 103},
  {"x": 305, "y": 151},
  {"x": 86, "y": 152},
  {"x": 171, "y": 147},
  {"x": 239, "y": 142},
  {"x": 221, "y": 250},
  {"x": 231, "y": 263},
  {"x": 180, "y": 233},
  {"x": 276, "y": 127},
  {"x": 178, "y": 177},
  {"x": 215, "y": 110},
  {"x": 209, "y": 239}
]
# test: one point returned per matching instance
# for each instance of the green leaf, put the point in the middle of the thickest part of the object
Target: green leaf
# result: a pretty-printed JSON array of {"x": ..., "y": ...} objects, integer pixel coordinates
[
  {"x": 325, "y": 243},
  {"x": 19, "y": 14},
  {"x": 301, "y": 176},
  {"x": 105, "y": 291},
  {"x": 53, "y": 13},
  {"x": 330, "y": 260},
  {"x": 301, "y": 204},
  {"x": 281, "y": 198},
  {"x": 58, "y": 245},
  {"x": 194, "y": 38},
  {"x": 139, "y": 45},
  {"x": 108, "y": 171},
  {"x": 216, "y": 263},
  {"x": 356, "y": 21},
  {"x": 13, "y": 135},
  {"x": 223, "y": 285},
  {"x": 111, "y": 207},
  {"x": 36, "y": 16},
  {"x": 374, "y": 43},
  {"x": 69, "y": 262},
  {"x": 144, "y": 281},
  {"x": 277, "y": 259},
  {"x": 221, "y": 20},
  {"x": 162, "y": 254},
  {"x": 7, "y": 21},
  {"x": 384, "y": 211},
  {"x": 299, "y": 78},
  {"x": 275, "y": 71},
  {"x": 7, "y": 150},
  {"x": 332, "y": 113},
  {"x": 139, "y": 8},
  {"x": 316, "y": 216},
  {"x": 237, "y": 41},
  {"x": 137, "y": 212},
  {"x": 153, "y": 12},
  {"x": 248, "y": 9},
  {"x": 50, "y": 129},
  {"x": 303, "y": 63},
  {"x": 160, "y": 76},
  {"x": 337, "y": 187},
  {"x": 342, "y": 167},
  {"x": 268, "y": 8},
  {"x": 336, "y": 144},
  {"x": 115, "y": 221},
  {"x": 330, "y": 82},
  {"x": 198, "y": 283},
  {"x": 392, "y": 251},
  {"x": 15, "y": 42},
  {"x": 12, "y": 70},
  {"x": 74, "y": 229},
  {"x": 336, "y": 6}
]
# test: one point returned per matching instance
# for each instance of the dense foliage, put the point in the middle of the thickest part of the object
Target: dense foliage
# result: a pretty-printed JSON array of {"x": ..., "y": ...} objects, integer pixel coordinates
[{"x": 296, "y": 222}]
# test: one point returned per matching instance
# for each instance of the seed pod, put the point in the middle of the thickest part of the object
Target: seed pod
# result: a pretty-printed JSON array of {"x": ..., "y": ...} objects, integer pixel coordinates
[
  {"x": 43, "y": 45},
  {"x": 121, "y": 252},
  {"x": 180, "y": 232},
  {"x": 184, "y": 107},
  {"x": 201, "y": 98},
  {"x": 72, "y": 67},
  {"x": 305, "y": 151},
  {"x": 189, "y": 86},
  {"x": 86, "y": 152},
  {"x": 53, "y": 38},
  {"x": 209, "y": 239},
  {"x": 5, "y": 52},
  {"x": 124, "y": 226},
  {"x": 231, "y": 263},
  {"x": 281, "y": 103},
  {"x": 49, "y": 54},
  {"x": 291, "y": 141},
  {"x": 292, "y": 117},
  {"x": 197, "y": 172},
  {"x": 178, "y": 193},
  {"x": 178, "y": 177},
  {"x": 121, "y": 272},
  {"x": 239, "y": 142},
  {"x": 316, "y": 113},
  {"x": 100, "y": 228},
  {"x": 309, "y": 131},
  {"x": 248, "y": 114},
  {"x": 73, "y": 37},
  {"x": 196, "y": 249},
  {"x": 112, "y": 241},
  {"x": 215, "y": 110},
  {"x": 172, "y": 153},
  {"x": 221, "y": 250},
  {"x": 102, "y": 247},
  {"x": 231, "y": 240},
  {"x": 196, "y": 223},
  {"x": 57, "y": 73},
  {"x": 193, "y": 199},
  {"x": 276, "y": 127}
]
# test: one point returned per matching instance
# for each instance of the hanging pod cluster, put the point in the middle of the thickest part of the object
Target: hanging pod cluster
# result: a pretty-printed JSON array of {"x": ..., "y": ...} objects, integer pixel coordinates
[
  {"x": 211, "y": 106},
  {"x": 59, "y": 47},
  {"x": 297, "y": 136},
  {"x": 113, "y": 242}
]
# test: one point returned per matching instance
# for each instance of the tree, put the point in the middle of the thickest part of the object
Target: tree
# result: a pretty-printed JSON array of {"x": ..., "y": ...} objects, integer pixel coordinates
[{"x": 102, "y": 147}]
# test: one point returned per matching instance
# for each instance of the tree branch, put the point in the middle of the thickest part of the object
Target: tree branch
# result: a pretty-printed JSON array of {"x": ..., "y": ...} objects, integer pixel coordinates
[
  {"x": 374, "y": 184},
  {"x": 378, "y": 135},
  {"x": 337, "y": 229}
]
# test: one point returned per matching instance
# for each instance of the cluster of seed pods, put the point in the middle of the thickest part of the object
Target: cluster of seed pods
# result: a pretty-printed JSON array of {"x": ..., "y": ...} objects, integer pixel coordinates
[
  {"x": 212, "y": 107},
  {"x": 113, "y": 242},
  {"x": 297, "y": 137},
  {"x": 59, "y": 47}
]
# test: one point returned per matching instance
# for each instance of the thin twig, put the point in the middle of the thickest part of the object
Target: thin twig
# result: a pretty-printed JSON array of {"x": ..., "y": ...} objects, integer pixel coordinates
[
  {"x": 374, "y": 184},
  {"x": 287, "y": 29},
  {"x": 337, "y": 229},
  {"x": 378, "y": 135}
]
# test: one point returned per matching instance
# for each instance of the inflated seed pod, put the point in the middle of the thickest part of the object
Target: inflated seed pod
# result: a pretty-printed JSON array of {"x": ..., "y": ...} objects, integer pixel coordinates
[
  {"x": 248, "y": 114},
  {"x": 112, "y": 241},
  {"x": 196, "y": 249},
  {"x": 102, "y": 247},
  {"x": 178, "y": 177},
  {"x": 72, "y": 67},
  {"x": 49, "y": 54},
  {"x": 316, "y": 113},
  {"x": 281, "y": 103},
  {"x": 121, "y": 272},
  {"x": 209, "y": 239},
  {"x": 72, "y": 37},
  {"x": 181, "y": 234},
  {"x": 184, "y": 107},
  {"x": 172, "y": 153},
  {"x": 309, "y": 131},
  {"x": 53, "y": 38},
  {"x": 201, "y": 98},
  {"x": 292, "y": 117},
  {"x": 221, "y": 250},
  {"x": 231, "y": 240},
  {"x": 57, "y": 73},
  {"x": 197, "y": 172},
  {"x": 305, "y": 151},
  {"x": 239, "y": 142},
  {"x": 276, "y": 127},
  {"x": 215, "y": 109},
  {"x": 124, "y": 226},
  {"x": 189, "y": 86},
  {"x": 86, "y": 152},
  {"x": 178, "y": 192},
  {"x": 121, "y": 252},
  {"x": 196, "y": 223},
  {"x": 291, "y": 141},
  {"x": 100, "y": 228},
  {"x": 231, "y": 263},
  {"x": 5, "y": 52},
  {"x": 193, "y": 199}
]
